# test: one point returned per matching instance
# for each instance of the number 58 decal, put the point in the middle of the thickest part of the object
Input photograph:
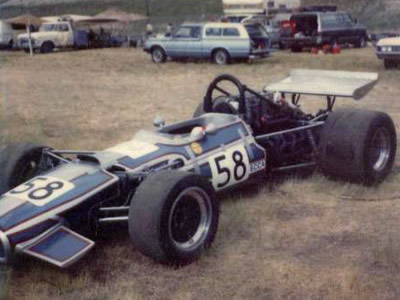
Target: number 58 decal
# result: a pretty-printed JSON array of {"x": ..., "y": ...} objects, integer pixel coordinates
[
  {"x": 229, "y": 167},
  {"x": 41, "y": 190}
]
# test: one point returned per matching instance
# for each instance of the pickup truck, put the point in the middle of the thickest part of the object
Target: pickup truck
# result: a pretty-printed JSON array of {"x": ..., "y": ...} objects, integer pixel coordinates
[
  {"x": 221, "y": 42},
  {"x": 53, "y": 35},
  {"x": 388, "y": 49}
]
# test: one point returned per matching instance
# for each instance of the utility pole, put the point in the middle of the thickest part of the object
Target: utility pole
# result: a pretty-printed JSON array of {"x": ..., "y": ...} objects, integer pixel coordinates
[
  {"x": 28, "y": 26},
  {"x": 148, "y": 7}
]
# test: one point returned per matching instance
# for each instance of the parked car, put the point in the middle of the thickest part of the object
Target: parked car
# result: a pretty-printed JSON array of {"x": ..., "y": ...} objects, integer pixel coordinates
[
  {"x": 314, "y": 29},
  {"x": 53, "y": 35},
  {"x": 388, "y": 49},
  {"x": 161, "y": 183},
  {"x": 221, "y": 42}
]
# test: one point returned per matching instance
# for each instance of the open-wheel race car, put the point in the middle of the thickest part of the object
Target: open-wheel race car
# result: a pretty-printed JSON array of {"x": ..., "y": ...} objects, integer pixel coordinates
[{"x": 163, "y": 182}]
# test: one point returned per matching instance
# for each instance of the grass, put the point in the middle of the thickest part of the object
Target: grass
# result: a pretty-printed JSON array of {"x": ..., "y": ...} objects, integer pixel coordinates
[{"x": 290, "y": 238}]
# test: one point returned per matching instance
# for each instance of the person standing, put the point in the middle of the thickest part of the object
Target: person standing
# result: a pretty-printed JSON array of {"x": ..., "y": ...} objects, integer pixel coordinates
[
  {"x": 168, "y": 32},
  {"x": 149, "y": 29}
]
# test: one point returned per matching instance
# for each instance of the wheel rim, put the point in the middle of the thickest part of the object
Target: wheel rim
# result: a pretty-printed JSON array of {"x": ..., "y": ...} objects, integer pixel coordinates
[
  {"x": 379, "y": 152},
  {"x": 157, "y": 55},
  {"x": 220, "y": 58},
  {"x": 190, "y": 219}
]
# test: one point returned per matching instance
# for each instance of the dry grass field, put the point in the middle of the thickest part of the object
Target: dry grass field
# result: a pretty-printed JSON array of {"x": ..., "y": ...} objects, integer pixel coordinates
[{"x": 293, "y": 238}]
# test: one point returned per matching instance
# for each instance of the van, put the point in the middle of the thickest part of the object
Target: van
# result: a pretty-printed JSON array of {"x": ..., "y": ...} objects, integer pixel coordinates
[
  {"x": 6, "y": 35},
  {"x": 9, "y": 33},
  {"x": 315, "y": 29}
]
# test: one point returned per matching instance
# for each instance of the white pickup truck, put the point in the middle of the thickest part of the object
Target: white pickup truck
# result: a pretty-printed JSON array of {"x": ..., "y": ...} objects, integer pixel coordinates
[{"x": 53, "y": 35}]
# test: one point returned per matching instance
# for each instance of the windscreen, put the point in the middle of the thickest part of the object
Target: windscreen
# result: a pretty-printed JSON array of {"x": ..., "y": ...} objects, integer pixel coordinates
[{"x": 47, "y": 27}]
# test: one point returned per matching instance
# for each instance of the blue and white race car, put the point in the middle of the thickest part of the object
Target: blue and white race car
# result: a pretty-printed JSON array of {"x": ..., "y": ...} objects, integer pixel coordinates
[{"x": 163, "y": 182}]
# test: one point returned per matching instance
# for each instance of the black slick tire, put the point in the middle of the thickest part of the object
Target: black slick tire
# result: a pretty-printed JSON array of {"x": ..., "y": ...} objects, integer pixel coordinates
[
  {"x": 173, "y": 217},
  {"x": 357, "y": 146},
  {"x": 18, "y": 163}
]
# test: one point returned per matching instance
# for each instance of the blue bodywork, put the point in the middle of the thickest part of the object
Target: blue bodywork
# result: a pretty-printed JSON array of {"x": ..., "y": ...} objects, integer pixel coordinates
[{"x": 48, "y": 215}]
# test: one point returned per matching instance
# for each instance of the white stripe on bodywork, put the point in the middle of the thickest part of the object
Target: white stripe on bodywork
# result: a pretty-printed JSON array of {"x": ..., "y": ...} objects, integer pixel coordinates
[{"x": 8, "y": 204}]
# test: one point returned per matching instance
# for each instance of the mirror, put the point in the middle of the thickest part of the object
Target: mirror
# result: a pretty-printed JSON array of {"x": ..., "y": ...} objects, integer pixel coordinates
[{"x": 158, "y": 122}]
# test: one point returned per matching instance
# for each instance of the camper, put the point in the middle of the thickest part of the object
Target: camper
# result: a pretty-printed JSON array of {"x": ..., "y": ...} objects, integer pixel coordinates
[
  {"x": 245, "y": 8},
  {"x": 8, "y": 34}
]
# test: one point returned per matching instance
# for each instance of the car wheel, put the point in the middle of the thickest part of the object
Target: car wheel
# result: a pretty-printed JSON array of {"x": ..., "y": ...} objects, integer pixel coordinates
[
  {"x": 158, "y": 55},
  {"x": 10, "y": 44},
  {"x": 27, "y": 50},
  {"x": 18, "y": 163},
  {"x": 388, "y": 63},
  {"x": 282, "y": 45},
  {"x": 296, "y": 49},
  {"x": 173, "y": 217},
  {"x": 221, "y": 57},
  {"x": 47, "y": 47},
  {"x": 358, "y": 146}
]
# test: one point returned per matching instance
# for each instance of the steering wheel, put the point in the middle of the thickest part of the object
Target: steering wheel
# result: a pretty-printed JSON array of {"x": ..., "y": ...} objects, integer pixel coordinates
[{"x": 221, "y": 102}]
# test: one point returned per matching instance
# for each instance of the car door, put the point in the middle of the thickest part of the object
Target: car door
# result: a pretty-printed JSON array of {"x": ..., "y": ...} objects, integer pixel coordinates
[
  {"x": 350, "y": 28},
  {"x": 194, "y": 43},
  {"x": 66, "y": 38},
  {"x": 176, "y": 47}
]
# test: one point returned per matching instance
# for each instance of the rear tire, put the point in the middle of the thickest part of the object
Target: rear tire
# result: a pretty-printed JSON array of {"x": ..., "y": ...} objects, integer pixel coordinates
[
  {"x": 221, "y": 57},
  {"x": 296, "y": 49},
  {"x": 358, "y": 146},
  {"x": 18, "y": 163},
  {"x": 173, "y": 217}
]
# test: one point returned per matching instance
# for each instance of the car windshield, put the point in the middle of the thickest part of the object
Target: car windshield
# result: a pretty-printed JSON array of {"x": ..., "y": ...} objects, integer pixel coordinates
[
  {"x": 187, "y": 32},
  {"x": 47, "y": 27}
]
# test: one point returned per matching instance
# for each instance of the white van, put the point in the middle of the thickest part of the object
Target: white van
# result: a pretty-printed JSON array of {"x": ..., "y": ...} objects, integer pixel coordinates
[{"x": 9, "y": 33}]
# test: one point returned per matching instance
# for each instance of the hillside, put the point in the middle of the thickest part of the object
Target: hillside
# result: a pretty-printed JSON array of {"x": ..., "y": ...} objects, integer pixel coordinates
[
  {"x": 379, "y": 14},
  {"x": 157, "y": 8}
]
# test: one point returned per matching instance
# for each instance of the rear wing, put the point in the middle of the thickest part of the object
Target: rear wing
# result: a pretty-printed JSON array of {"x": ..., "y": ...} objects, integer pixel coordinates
[{"x": 326, "y": 83}]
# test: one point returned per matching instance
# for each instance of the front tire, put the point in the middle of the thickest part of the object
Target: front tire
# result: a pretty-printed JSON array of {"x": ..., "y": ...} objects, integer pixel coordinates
[
  {"x": 158, "y": 55},
  {"x": 18, "y": 163},
  {"x": 388, "y": 63},
  {"x": 173, "y": 217},
  {"x": 47, "y": 47},
  {"x": 358, "y": 146}
]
